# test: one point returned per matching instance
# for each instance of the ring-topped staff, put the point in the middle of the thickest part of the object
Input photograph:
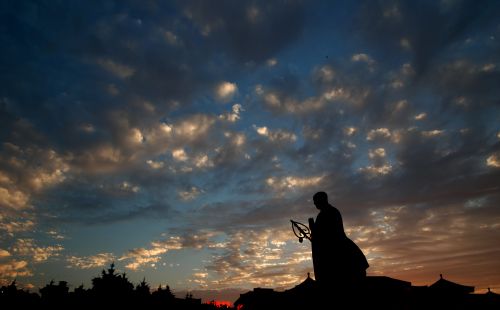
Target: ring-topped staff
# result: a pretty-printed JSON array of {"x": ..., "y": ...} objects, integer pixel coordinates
[{"x": 301, "y": 231}]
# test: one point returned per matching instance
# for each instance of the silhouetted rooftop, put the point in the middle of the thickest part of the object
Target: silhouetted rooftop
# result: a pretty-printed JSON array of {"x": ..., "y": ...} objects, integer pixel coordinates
[
  {"x": 443, "y": 285},
  {"x": 307, "y": 285}
]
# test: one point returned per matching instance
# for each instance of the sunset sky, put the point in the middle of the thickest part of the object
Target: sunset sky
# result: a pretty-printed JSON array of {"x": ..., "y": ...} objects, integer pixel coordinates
[{"x": 177, "y": 139}]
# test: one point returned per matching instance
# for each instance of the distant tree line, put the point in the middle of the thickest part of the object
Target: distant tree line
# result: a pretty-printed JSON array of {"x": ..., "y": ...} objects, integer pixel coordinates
[{"x": 110, "y": 289}]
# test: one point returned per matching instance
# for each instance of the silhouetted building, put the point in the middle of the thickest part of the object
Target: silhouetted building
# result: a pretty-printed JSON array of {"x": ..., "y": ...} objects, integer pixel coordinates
[
  {"x": 305, "y": 295},
  {"x": 384, "y": 291},
  {"x": 307, "y": 286},
  {"x": 490, "y": 300},
  {"x": 258, "y": 298},
  {"x": 376, "y": 292},
  {"x": 445, "y": 294}
]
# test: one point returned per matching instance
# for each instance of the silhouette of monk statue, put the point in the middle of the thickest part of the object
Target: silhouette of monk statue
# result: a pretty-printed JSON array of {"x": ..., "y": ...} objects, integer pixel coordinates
[{"x": 338, "y": 262}]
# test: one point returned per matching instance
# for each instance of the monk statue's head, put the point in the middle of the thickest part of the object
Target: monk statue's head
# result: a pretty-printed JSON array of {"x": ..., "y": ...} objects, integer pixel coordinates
[{"x": 320, "y": 200}]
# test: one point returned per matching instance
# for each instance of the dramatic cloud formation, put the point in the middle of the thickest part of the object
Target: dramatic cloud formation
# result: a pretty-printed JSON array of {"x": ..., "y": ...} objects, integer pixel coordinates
[{"x": 178, "y": 139}]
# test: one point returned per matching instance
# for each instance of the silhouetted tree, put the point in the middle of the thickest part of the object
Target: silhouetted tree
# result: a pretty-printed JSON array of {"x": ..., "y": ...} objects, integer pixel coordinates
[
  {"x": 143, "y": 289},
  {"x": 9, "y": 290},
  {"x": 10, "y": 295},
  {"x": 163, "y": 296},
  {"x": 52, "y": 294},
  {"x": 110, "y": 283},
  {"x": 79, "y": 291},
  {"x": 143, "y": 294},
  {"x": 81, "y": 297},
  {"x": 112, "y": 288}
]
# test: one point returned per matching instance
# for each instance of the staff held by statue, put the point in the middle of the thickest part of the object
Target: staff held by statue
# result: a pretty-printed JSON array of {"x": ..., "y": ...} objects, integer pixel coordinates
[{"x": 301, "y": 231}]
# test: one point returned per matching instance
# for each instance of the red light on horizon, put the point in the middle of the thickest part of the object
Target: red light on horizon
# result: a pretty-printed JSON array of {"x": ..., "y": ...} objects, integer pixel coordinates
[{"x": 221, "y": 303}]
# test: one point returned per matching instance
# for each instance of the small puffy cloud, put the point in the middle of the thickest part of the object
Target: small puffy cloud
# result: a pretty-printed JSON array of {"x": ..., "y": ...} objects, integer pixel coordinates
[
  {"x": 263, "y": 131},
  {"x": 290, "y": 182},
  {"x": 158, "y": 135},
  {"x": 4, "y": 253},
  {"x": 378, "y": 133},
  {"x": 100, "y": 158},
  {"x": 47, "y": 178},
  {"x": 166, "y": 128},
  {"x": 363, "y": 58},
  {"x": 493, "y": 161},
  {"x": 25, "y": 161},
  {"x": 135, "y": 136},
  {"x": 330, "y": 94},
  {"x": 193, "y": 127},
  {"x": 127, "y": 187},
  {"x": 272, "y": 100},
  {"x": 432, "y": 133},
  {"x": 351, "y": 145},
  {"x": 200, "y": 279},
  {"x": 12, "y": 226},
  {"x": 120, "y": 70},
  {"x": 379, "y": 152},
  {"x": 190, "y": 194},
  {"x": 312, "y": 133},
  {"x": 14, "y": 199},
  {"x": 202, "y": 161},
  {"x": 238, "y": 139},
  {"x": 27, "y": 247},
  {"x": 259, "y": 90},
  {"x": 200, "y": 274},
  {"x": 276, "y": 135},
  {"x": 336, "y": 94},
  {"x": 108, "y": 153},
  {"x": 407, "y": 69},
  {"x": 272, "y": 62},
  {"x": 308, "y": 105},
  {"x": 55, "y": 235},
  {"x": 141, "y": 256},
  {"x": 155, "y": 164},
  {"x": 374, "y": 170},
  {"x": 4, "y": 178},
  {"x": 140, "y": 261},
  {"x": 13, "y": 269},
  {"x": 461, "y": 101},
  {"x": 234, "y": 115},
  {"x": 226, "y": 90},
  {"x": 349, "y": 131},
  {"x": 325, "y": 73},
  {"x": 488, "y": 67},
  {"x": 420, "y": 116},
  {"x": 400, "y": 105},
  {"x": 87, "y": 262},
  {"x": 179, "y": 155}
]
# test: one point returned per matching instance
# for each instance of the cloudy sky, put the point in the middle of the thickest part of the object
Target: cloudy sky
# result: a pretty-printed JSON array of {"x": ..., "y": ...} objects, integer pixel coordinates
[{"x": 177, "y": 139}]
